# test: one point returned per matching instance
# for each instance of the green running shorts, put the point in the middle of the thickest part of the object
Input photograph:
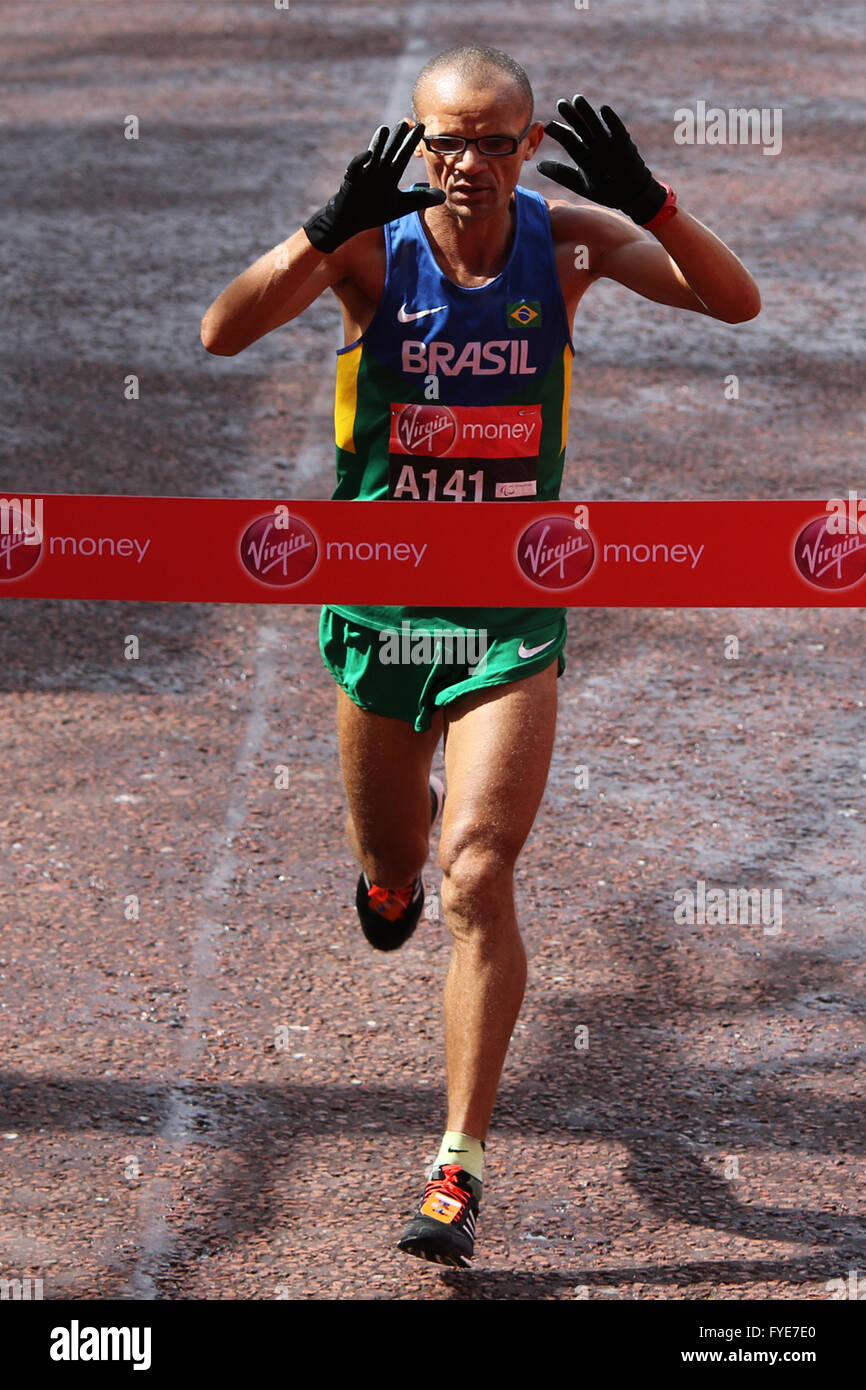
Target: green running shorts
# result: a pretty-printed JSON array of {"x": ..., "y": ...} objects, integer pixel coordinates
[{"x": 406, "y": 673}]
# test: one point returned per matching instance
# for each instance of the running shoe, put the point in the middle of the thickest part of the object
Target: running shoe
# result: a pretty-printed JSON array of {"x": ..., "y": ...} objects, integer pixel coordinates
[
  {"x": 443, "y": 1228},
  {"x": 389, "y": 916}
]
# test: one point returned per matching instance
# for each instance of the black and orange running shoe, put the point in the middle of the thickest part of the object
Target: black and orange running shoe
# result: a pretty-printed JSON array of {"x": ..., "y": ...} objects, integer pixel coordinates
[
  {"x": 389, "y": 916},
  {"x": 443, "y": 1227}
]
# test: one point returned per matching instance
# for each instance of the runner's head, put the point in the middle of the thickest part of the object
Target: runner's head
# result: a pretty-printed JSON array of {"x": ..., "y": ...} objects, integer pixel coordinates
[{"x": 476, "y": 93}]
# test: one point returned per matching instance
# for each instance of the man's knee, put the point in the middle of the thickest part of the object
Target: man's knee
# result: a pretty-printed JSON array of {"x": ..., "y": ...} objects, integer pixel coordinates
[{"x": 477, "y": 878}]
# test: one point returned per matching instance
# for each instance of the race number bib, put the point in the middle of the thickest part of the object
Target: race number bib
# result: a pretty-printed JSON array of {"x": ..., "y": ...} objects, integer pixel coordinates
[{"x": 441, "y": 453}]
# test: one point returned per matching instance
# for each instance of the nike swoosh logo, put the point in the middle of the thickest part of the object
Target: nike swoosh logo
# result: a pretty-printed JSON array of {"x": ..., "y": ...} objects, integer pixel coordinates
[
  {"x": 403, "y": 317},
  {"x": 533, "y": 651}
]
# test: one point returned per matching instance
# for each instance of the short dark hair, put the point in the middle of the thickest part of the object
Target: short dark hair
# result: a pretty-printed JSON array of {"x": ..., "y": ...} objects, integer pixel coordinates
[{"x": 472, "y": 61}]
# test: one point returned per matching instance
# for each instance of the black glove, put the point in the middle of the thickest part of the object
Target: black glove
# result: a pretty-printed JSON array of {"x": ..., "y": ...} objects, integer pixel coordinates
[
  {"x": 369, "y": 196},
  {"x": 610, "y": 170}
]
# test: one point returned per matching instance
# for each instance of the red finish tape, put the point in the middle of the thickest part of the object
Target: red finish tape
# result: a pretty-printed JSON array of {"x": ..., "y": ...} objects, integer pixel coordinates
[{"x": 439, "y": 554}]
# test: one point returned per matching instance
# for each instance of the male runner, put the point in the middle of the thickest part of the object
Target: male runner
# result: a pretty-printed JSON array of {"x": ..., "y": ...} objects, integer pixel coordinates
[{"x": 460, "y": 294}]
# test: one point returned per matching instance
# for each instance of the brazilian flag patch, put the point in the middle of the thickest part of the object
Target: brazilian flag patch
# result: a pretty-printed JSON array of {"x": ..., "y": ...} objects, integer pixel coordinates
[{"x": 524, "y": 313}]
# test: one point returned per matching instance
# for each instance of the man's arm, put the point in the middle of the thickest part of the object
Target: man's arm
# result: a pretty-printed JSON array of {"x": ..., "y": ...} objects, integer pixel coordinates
[
  {"x": 683, "y": 264},
  {"x": 274, "y": 289},
  {"x": 286, "y": 280},
  {"x": 718, "y": 283},
  {"x": 679, "y": 261}
]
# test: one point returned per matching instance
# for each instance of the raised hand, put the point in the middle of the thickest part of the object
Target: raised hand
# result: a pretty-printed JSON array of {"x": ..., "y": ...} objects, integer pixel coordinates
[
  {"x": 609, "y": 169},
  {"x": 369, "y": 195}
]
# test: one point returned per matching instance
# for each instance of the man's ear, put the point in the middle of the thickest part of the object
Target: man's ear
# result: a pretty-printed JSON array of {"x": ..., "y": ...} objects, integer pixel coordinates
[
  {"x": 534, "y": 138},
  {"x": 418, "y": 152}
]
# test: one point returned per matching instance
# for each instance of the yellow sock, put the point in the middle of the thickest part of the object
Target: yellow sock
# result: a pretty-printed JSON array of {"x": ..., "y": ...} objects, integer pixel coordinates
[{"x": 462, "y": 1149}]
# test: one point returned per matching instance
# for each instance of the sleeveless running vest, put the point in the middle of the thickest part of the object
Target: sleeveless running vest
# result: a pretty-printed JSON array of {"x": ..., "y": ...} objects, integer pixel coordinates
[{"x": 457, "y": 394}]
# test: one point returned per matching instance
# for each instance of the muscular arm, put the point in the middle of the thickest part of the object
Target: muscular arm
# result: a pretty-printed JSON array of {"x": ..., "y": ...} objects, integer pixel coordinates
[
  {"x": 274, "y": 289},
  {"x": 684, "y": 264},
  {"x": 329, "y": 250}
]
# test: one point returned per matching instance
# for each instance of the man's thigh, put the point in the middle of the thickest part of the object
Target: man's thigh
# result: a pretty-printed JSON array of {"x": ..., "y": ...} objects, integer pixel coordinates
[{"x": 498, "y": 744}]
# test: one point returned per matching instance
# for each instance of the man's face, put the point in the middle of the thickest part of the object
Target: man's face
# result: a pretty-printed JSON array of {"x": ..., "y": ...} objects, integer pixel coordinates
[{"x": 477, "y": 186}]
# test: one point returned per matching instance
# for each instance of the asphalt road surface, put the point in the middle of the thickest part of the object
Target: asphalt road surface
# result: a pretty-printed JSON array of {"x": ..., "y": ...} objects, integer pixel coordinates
[{"x": 211, "y": 1087}]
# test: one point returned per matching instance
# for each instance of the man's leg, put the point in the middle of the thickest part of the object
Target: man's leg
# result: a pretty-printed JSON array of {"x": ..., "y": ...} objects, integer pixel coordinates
[
  {"x": 386, "y": 766},
  {"x": 497, "y": 755},
  {"x": 498, "y": 744}
]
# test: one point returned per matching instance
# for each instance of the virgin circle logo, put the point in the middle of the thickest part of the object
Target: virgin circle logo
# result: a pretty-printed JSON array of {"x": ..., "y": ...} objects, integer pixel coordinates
[
  {"x": 424, "y": 429},
  {"x": 279, "y": 555},
  {"x": 829, "y": 561},
  {"x": 554, "y": 553},
  {"x": 18, "y": 555}
]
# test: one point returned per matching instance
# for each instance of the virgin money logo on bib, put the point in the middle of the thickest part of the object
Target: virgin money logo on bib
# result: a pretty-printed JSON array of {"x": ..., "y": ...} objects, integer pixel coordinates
[
  {"x": 17, "y": 555},
  {"x": 423, "y": 429},
  {"x": 279, "y": 555},
  {"x": 466, "y": 431},
  {"x": 554, "y": 553},
  {"x": 829, "y": 561}
]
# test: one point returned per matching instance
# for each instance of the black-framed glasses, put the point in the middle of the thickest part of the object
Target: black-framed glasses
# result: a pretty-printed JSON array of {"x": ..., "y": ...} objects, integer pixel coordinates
[{"x": 487, "y": 144}]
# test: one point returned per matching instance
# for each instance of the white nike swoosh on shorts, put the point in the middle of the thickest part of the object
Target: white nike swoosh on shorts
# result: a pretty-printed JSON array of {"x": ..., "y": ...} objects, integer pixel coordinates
[
  {"x": 403, "y": 317},
  {"x": 533, "y": 651}
]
